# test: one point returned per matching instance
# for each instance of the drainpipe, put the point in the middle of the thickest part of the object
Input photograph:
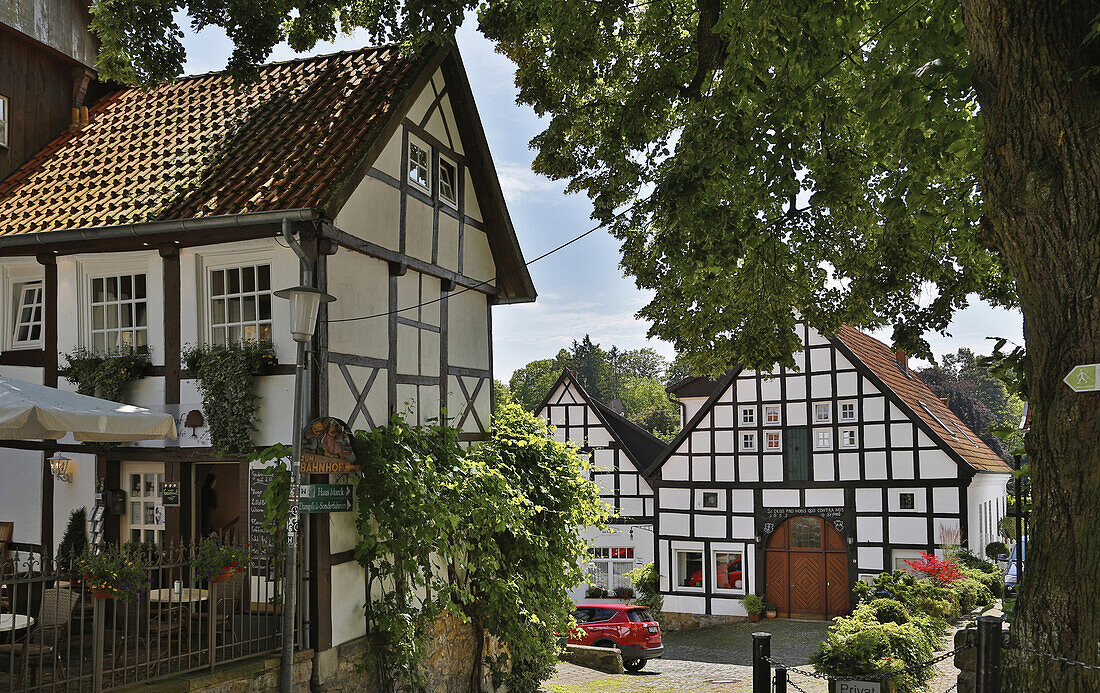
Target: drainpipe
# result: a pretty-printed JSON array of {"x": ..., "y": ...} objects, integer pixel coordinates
[
  {"x": 683, "y": 407},
  {"x": 302, "y": 399}
]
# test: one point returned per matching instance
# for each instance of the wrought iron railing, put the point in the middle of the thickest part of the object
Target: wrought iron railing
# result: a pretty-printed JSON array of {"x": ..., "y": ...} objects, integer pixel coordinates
[{"x": 55, "y": 635}]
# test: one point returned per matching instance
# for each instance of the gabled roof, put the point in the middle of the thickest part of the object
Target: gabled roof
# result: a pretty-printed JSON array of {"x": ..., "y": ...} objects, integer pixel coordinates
[
  {"x": 693, "y": 386},
  {"x": 301, "y": 137},
  {"x": 907, "y": 390},
  {"x": 918, "y": 398},
  {"x": 643, "y": 448}
]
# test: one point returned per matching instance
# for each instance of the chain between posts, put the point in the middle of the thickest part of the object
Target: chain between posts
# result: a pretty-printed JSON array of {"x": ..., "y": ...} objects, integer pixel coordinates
[
  {"x": 1064, "y": 660},
  {"x": 870, "y": 677}
]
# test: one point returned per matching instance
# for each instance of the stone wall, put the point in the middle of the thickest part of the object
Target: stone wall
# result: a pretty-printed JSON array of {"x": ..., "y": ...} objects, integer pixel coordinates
[{"x": 671, "y": 620}]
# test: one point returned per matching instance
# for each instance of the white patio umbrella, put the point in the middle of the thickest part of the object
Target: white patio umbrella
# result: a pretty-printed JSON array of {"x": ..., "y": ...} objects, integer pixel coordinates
[{"x": 29, "y": 411}]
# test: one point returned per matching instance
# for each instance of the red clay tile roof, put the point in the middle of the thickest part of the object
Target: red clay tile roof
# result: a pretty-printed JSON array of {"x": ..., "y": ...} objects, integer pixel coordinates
[
  {"x": 202, "y": 146},
  {"x": 880, "y": 359}
]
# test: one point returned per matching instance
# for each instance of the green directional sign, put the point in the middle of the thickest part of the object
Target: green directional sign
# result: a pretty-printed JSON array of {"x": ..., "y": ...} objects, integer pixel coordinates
[
  {"x": 1084, "y": 378},
  {"x": 325, "y": 498}
]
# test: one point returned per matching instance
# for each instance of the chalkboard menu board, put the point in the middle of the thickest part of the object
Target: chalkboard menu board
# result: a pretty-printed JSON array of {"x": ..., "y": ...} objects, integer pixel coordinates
[{"x": 258, "y": 479}]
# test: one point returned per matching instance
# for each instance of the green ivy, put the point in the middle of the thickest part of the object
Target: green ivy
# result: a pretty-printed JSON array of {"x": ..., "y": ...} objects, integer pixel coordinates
[
  {"x": 104, "y": 375},
  {"x": 487, "y": 533},
  {"x": 226, "y": 383}
]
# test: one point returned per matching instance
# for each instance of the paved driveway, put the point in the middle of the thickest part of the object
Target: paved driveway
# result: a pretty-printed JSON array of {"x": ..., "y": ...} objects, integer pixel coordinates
[{"x": 717, "y": 660}]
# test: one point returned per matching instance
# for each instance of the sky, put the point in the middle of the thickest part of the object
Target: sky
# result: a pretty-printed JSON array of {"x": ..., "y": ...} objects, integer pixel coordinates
[{"x": 581, "y": 289}]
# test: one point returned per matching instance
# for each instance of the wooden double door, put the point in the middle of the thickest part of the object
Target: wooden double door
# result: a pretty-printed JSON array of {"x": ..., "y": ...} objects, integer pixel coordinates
[{"x": 806, "y": 569}]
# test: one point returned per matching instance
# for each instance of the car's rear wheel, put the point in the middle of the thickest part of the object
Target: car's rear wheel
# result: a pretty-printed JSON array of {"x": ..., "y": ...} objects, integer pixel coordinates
[
  {"x": 606, "y": 643},
  {"x": 634, "y": 664}
]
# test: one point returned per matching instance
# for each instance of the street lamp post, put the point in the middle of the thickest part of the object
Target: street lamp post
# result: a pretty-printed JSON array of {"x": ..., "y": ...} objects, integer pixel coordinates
[{"x": 305, "y": 302}]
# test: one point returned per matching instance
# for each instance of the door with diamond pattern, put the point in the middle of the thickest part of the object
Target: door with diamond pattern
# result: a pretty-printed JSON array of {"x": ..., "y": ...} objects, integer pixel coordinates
[{"x": 807, "y": 569}]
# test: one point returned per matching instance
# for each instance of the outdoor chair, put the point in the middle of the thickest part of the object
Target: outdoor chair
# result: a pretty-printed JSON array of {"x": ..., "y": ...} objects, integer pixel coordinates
[
  {"x": 44, "y": 639},
  {"x": 223, "y": 608}
]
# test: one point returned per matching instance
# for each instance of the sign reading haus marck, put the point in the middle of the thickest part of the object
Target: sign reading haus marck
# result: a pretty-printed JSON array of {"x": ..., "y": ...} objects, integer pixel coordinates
[{"x": 326, "y": 447}]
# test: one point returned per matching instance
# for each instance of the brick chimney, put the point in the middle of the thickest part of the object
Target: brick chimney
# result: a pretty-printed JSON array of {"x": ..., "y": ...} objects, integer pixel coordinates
[{"x": 903, "y": 360}]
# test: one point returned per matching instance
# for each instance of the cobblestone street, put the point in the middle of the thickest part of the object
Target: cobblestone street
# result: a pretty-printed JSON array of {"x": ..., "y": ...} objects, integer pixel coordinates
[{"x": 718, "y": 660}]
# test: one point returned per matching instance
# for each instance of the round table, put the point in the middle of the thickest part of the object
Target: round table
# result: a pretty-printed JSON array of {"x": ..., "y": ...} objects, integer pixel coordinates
[
  {"x": 187, "y": 595},
  {"x": 14, "y": 622}
]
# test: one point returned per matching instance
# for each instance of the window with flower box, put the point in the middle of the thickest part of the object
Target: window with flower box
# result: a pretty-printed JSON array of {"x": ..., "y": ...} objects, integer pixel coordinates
[
  {"x": 240, "y": 304},
  {"x": 609, "y": 566},
  {"x": 119, "y": 313}
]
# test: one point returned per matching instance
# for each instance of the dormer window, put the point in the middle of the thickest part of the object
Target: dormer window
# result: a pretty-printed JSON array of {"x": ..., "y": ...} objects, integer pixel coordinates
[
  {"x": 448, "y": 182},
  {"x": 4, "y": 119},
  {"x": 27, "y": 328},
  {"x": 418, "y": 166}
]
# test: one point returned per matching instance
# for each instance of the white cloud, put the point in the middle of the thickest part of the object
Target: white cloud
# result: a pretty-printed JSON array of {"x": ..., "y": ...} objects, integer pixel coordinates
[{"x": 521, "y": 184}]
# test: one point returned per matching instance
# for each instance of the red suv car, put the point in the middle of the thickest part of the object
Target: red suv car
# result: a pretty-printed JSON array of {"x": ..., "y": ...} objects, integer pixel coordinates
[{"x": 629, "y": 628}]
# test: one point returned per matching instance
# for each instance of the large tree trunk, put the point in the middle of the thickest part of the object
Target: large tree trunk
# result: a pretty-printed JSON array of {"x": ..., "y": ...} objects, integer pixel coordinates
[{"x": 1041, "y": 178}]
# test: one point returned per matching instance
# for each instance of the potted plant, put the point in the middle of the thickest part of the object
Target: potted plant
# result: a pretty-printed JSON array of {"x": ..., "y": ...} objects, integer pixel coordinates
[
  {"x": 624, "y": 593},
  {"x": 770, "y": 608},
  {"x": 112, "y": 573},
  {"x": 754, "y": 605},
  {"x": 595, "y": 592},
  {"x": 217, "y": 561}
]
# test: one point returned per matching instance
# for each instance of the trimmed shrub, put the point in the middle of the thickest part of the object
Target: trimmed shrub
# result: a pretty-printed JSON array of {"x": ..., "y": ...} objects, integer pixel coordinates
[
  {"x": 859, "y": 645},
  {"x": 994, "y": 549},
  {"x": 889, "y": 611}
]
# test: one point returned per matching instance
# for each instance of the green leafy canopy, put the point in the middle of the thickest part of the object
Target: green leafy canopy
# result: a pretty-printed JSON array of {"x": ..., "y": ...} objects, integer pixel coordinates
[{"x": 758, "y": 160}]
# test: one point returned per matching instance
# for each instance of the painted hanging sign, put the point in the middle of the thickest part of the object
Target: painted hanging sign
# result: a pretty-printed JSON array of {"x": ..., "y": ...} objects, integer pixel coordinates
[{"x": 326, "y": 447}]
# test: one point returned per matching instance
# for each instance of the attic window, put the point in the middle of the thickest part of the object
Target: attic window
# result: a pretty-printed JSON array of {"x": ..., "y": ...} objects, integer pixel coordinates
[
  {"x": 447, "y": 182},
  {"x": 938, "y": 419},
  {"x": 418, "y": 166},
  {"x": 3, "y": 121}
]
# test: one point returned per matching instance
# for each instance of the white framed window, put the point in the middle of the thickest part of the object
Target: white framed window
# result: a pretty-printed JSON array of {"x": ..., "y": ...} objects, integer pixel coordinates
[
  {"x": 419, "y": 170},
  {"x": 119, "y": 312},
  {"x": 239, "y": 304},
  {"x": 748, "y": 416},
  {"x": 772, "y": 415},
  {"x": 823, "y": 412},
  {"x": 609, "y": 566},
  {"x": 823, "y": 439},
  {"x": 848, "y": 438},
  {"x": 4, "y": 120},
  {"x": 847, "y": 411},
  {"x": 729, "y": 571},
  {"x": 748, "y": 441},
  {"x": 710, "y": 499},
  {"x": 448, "y": 182},
  {"x": 773, "y": 441},
  {"x": 29, "y": 302},
  {"x": 689, "y": 569}
]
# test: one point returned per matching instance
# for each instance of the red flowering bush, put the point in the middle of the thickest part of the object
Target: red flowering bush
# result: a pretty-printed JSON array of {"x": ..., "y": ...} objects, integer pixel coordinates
[{"x": 942, "y": 571}]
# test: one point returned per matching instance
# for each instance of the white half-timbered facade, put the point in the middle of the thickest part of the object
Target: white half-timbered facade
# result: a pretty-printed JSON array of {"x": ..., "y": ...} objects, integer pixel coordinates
[
  {"x": 621, "y": 453},
  {"x": 795, "y": 483},
  {"x": 374, "y": 162}
]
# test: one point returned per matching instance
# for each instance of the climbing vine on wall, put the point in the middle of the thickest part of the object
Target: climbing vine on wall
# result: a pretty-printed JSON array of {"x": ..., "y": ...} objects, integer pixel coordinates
[
  {"x": 104, "y": 375},
  {"x": 226, "y": 378},
  {"x": 488, "y": 533}
]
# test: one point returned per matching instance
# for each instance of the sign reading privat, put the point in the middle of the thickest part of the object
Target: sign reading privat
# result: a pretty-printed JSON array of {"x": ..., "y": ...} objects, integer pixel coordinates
[
  {"x": 858, "y": 687},
  {"x": 326, "y": 447},
  {"x": 170, "y": 493},
  {"x": 1084, "y": 378}
]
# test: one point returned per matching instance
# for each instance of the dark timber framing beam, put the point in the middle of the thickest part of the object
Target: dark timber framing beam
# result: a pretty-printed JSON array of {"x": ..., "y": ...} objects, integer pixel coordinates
[{"x": 354, "y": 243}]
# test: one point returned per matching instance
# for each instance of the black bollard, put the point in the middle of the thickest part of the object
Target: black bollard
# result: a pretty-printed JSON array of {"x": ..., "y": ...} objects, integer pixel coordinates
[
  {"x": 761, "y": 667},
  {"x": 990, "y": 640}
]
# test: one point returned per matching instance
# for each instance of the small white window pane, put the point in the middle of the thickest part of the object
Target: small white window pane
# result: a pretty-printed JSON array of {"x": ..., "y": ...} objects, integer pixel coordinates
[
  {"x": 248, "y": 279},
  {"x": 217, "y": 283},
  {"x": 112, "y": 289}
]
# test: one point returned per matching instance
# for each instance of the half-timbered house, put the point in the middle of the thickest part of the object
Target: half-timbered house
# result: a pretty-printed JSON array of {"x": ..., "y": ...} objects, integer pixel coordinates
[
  {"x": 159, "y": 222},
  {"x": 795, "y": 483},
  {"x": 621, "y": 453}
]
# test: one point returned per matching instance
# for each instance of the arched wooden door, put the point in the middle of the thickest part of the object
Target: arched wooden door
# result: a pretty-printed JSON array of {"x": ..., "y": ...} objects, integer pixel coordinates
[{"x": 806, "y": 569}]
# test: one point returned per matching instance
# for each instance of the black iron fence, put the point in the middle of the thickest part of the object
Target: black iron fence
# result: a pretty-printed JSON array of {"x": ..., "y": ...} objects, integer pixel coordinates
[{"x": 56, "y": 635}]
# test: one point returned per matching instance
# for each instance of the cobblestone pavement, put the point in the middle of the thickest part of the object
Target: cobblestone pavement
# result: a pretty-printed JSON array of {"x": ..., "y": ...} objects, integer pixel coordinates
[{"x": 718, "y": 660}]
